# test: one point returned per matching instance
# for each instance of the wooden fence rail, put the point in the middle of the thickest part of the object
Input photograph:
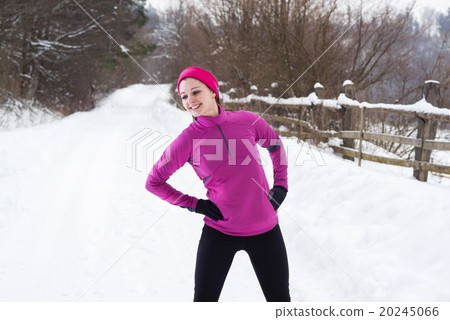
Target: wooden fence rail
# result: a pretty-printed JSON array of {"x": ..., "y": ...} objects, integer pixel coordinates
[{"x": 345, "y": 118}]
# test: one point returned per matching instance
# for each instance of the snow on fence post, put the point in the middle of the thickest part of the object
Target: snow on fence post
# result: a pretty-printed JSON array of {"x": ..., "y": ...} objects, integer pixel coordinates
[
  {"x": 348, "y": 88},
  {"x": 426, "y": 128}
]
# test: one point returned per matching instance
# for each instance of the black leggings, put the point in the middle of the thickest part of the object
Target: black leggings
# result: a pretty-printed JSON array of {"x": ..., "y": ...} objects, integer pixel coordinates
[{"x": 267, "y": 254}]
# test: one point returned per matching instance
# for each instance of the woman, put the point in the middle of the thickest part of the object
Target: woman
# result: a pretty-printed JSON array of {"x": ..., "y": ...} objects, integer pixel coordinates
[{"x": 241, "y": 209}]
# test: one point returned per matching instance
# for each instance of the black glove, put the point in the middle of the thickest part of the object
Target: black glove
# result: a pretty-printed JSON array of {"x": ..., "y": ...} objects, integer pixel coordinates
[
  {"x": 276, "y": 196},
  {"x": 209, "y": 209}
]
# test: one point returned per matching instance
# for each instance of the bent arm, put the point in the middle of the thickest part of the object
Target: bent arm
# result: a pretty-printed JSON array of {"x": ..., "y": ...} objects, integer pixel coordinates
[
  {"x": 266, "y": 137},
  {"x": 173, "y": 158}
]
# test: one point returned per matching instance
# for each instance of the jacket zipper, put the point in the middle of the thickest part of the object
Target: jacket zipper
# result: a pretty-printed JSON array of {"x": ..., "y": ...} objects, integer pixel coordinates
[{"x": 226, "y": 143}]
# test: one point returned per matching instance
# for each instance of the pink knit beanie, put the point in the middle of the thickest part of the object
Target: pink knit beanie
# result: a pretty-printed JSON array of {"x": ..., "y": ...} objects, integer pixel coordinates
[{"x": 202, "y": 75}]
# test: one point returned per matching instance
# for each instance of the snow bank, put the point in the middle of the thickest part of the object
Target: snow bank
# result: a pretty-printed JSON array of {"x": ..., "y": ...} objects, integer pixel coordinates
[{"x": 20, "y": 114}]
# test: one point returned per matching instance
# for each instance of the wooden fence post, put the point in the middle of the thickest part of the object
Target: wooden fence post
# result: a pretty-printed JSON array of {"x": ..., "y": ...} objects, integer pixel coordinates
[
  {"x": 361, "y": 134},
  {"x": 314, "y": 113},
  {"x": 426, "y": 129},
  {"x": 348, "y": 88},
  {"x": 318, "y": 89},
  {"x": 319, "y": 113},
  {"x": 300, "y": 119}
]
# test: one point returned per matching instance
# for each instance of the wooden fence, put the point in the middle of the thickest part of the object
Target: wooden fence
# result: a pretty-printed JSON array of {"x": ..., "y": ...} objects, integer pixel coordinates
[{"x": 345, "y": 118}]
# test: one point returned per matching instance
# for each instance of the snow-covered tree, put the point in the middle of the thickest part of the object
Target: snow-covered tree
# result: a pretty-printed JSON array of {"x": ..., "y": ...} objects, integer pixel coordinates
[{"x": 53, "y": 51}]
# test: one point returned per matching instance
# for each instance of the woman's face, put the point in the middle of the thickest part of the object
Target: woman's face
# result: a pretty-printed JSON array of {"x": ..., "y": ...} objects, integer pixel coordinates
[{"x": 197, "y": 98}]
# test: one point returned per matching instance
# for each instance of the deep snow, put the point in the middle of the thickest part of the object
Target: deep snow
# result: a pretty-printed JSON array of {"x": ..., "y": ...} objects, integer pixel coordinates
[{"x": 76, "y": 222}]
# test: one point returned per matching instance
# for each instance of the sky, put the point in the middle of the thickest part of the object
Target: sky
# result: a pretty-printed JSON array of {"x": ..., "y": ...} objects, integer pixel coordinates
[{"x": 438, "y": 5}]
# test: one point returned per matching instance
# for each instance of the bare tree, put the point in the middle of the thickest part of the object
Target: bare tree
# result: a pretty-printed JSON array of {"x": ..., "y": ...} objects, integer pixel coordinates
[{"x": 271, "y": 44}]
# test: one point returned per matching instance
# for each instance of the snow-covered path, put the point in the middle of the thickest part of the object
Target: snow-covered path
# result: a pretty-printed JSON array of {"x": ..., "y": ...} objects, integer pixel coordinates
[{"x": 76, "y": 222}]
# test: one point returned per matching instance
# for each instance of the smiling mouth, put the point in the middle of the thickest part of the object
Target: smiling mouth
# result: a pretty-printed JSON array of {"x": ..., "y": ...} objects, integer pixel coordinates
[{"x": 196, "y": 107}]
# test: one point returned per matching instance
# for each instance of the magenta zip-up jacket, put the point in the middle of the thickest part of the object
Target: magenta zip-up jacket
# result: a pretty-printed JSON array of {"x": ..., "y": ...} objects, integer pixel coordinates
[{"x": 223, "y": 150}]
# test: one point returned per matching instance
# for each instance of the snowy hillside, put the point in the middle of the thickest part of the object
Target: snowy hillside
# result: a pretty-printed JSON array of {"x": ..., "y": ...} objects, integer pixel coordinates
[{"x": 76, "y": 222}]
